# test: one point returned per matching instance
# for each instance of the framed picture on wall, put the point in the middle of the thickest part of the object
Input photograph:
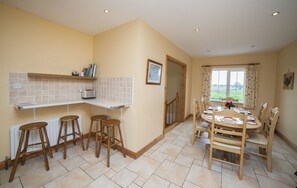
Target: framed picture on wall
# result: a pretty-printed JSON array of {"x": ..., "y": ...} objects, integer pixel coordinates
[
  {"x": 288, "y": 82},
  {"x": 153, "y": 72}
]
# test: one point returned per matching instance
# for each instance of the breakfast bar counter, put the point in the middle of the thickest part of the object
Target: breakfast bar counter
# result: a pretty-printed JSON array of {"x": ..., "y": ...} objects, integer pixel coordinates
[{"x": 94, "y": 102}]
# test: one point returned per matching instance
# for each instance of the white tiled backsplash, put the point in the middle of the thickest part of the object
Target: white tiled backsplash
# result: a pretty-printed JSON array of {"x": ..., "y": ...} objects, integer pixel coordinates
[{"x": 44, "y": 90}]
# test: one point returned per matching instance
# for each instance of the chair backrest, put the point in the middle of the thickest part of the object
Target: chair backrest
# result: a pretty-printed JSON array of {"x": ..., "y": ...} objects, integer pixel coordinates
[
  {"x": 237, "y": 130},
  {"x": 270, "y": 124},
  {"x": 203, "y": 104},
  {"x": 262, "y": 112},
  {"x": 195, "y": 110}
]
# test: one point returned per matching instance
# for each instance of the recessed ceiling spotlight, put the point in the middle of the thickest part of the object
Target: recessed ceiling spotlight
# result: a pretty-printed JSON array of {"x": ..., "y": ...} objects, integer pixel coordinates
[
  {"x": 275, "y": 13},
  {"x": 196, "y": 29},
  {"x": 106, "y": 11},
  {"x": 207, "y": 51},
  {"x": 253, "y": 46}
]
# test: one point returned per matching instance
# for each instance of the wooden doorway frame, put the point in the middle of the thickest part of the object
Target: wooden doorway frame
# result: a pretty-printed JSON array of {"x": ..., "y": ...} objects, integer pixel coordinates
[{"x": 183, "y": 92}]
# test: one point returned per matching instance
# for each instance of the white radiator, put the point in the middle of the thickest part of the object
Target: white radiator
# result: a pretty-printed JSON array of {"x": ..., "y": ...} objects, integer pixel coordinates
[{"x": 52, "y": 132}]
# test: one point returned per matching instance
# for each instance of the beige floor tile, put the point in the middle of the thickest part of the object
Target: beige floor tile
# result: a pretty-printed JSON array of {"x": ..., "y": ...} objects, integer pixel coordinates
[
  {"x": 230, "y": 179},
  {"x": 73, "y": 151},
  {"x": 103, "y": 181},
  {"x": 203, "y": 177},
  {"x": 184, "y": 160},
  {"x": 197, "y": 162},
  {"x": 172, "y": 185},
  {"x": 156, "y": 182},
  {"x": 190, "y": 185},
  {"x": 90, "y": 157},
  {"x": 282, "y": 177},
  {"x": 133, "y": 185},
  {"x": 85, "y": 165},
  {"x": 269, "y": 183},
  {"x": 75, "y": 178},
  {"x": 216, "y": 165},
  {"x": 118, "y": 162},
  {"x": 144, "y": 166},
  {"x": 72, "y": 163},
  {"x": 194, "y": 152},
  {"x": 173, "y": 172},
  {"x": 170, "y": 149},
  {"x": 40, "y": 176},
  {"x": 110, "y": 173},
  {"x": 140, "y": 181},
  {"x": 124, "y": 178},
  {"x": 15, "y": 184},
  {"x": 283, "y": 166},
  {"x": 293, "y": 162},
  {"x": 158, "y": 156},
  {"x": 96, "y": 170}
]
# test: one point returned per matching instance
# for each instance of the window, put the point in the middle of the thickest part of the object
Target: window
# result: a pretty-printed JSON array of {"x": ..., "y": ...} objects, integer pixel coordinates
[{"x": 227, "y": 82}]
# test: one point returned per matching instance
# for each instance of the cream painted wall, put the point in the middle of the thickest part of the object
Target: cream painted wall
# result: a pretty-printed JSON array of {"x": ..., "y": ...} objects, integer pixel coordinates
[
  {"x": 123, "y": 51},
  {"x": 32, "y": 44},
  {"x": 286, "y": 100},
  {"x": 267, "y": 77}
]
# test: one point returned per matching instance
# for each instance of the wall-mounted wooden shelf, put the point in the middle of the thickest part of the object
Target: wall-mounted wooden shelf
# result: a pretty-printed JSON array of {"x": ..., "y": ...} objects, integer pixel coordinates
[{"x": 30, "y": 74}]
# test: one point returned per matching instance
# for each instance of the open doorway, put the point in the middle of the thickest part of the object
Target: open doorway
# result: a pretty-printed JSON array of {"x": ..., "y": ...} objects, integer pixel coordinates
[{"x": 175, "y": 90}]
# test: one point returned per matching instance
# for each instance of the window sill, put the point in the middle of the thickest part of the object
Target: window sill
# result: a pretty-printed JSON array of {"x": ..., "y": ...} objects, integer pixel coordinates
[{"x": 214, "y": 100}]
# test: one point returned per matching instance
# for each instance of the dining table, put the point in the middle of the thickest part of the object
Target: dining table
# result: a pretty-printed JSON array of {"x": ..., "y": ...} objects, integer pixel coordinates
[{"x": 253, "y": 122}]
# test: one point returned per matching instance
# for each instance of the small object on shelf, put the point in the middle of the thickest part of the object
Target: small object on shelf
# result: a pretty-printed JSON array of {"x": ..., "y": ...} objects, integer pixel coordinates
[
  {"x": 90, "y": 71},
  {"x": 75, "y": 73}
]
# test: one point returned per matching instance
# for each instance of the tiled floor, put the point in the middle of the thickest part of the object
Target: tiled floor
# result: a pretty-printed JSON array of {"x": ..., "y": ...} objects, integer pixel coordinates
[{"x": 173, "y": 162}]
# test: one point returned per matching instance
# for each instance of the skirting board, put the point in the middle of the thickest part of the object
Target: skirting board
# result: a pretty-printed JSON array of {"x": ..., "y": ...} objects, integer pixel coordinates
[
  {"x": 130, "y": 153},
  {"x": 288, "y": 141}
]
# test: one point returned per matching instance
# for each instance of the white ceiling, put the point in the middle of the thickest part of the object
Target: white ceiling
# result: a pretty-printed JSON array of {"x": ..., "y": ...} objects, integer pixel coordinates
[{"x": 225, "y": 26}]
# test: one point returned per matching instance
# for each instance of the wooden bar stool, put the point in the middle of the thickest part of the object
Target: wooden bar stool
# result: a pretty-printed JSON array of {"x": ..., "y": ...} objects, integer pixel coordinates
[
  {"x": 98, "y": 119},
  {"x": 109, "y": 137},
  {"x": 72, "y": 119},
  {"x": 25, "y": 132}
]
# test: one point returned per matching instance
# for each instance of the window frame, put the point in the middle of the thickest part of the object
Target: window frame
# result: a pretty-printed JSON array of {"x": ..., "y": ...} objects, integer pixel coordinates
[{"x": 229, "y": 70}]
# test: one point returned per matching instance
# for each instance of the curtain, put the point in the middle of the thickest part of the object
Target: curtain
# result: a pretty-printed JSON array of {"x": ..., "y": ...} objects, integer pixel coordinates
[
  {"x": 206, "y": 82},
  {"x": 251, "y": 87}
]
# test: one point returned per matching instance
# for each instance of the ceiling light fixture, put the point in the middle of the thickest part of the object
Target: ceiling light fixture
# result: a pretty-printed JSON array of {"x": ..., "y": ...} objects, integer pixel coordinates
[
  {"x": 106, "y": 11},
  {"x": 275, "y": 13},
  {"x": 196, "y": 29},
  {"x": 207, "y": 51},
  {"x": 253, "y": 46}
]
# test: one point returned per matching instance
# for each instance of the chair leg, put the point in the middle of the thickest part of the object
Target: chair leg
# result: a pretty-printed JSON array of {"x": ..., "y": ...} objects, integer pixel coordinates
[
  {"x": 43, "y": 149},
  {"x": 210, "y": 158},
  {"x": 25, "y": 147},
  {"x": 89, "y": 136},
  {"x": 73, "y": 132},
  {"x": 81, "y": 136},
  {"x": 269, "y": 161},
  {"x": 17, "y": 157},
  {"x": 65, "y": 139},
  {"x": 122, "y": 142},
  {"x": 241, "y": 166},
  {"x": 59, "y": 136},
  {"x": 193, "y": 137},
  {"x": 48, "y": 145}
]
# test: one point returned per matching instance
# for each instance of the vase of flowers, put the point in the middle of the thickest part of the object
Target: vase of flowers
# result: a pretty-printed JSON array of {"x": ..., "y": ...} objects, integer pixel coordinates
[{"x": 229, "y": 104}]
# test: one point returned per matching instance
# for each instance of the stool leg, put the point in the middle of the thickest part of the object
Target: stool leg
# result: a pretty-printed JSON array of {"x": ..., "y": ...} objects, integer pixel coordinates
[
  {"x": 122, "y": 142},
  {"x": 97, "y": 140},
  {"x": 108, "y": 146},
  {"x": 81, "y": 136},
  {"x": 65, "y": 139},
  {"x": 101, "y": 139},
  {"x": 25, "y": 147},
  {"x": 48, "y": 145},
  {"x": 17, "y": 157},
  {"x": 89, "y": 136},
  {"x": 59, "y": 136},
  {"x": 73, "y": 132},
  {"x": 44, "y": 151},
  {"x": 113, "y": 138}
]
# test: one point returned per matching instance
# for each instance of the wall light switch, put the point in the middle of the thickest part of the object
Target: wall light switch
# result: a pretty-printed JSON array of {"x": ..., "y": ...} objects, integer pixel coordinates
[{"x": 17, "y": 85}]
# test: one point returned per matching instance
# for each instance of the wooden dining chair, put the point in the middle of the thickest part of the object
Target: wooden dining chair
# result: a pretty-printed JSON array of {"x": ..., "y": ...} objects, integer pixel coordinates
[
  {"x": 198, "y": 125},
  {"x": 262, "y": 115},
  {"x": 229, "y": 140},
  {"x": 265, "y": 140}
]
